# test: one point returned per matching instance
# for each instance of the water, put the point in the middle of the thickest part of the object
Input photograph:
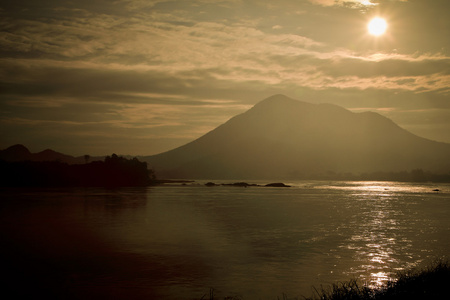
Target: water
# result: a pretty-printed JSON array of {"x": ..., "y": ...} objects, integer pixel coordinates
[{"x": 177, "y": 242}]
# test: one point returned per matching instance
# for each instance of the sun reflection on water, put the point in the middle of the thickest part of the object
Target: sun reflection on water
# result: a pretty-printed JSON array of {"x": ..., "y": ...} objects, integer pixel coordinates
[
  {"x": 385, "y": 188},
  {"x": 378, "y": 279},
  {"x": 374, "y": 238}
]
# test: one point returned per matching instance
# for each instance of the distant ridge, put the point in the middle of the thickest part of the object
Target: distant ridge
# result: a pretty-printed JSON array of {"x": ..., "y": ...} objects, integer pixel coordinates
[
  {"x": 15, "y": 153},
  {"x": 285, "y": 138},
  {"x": 21, "y": 153}
]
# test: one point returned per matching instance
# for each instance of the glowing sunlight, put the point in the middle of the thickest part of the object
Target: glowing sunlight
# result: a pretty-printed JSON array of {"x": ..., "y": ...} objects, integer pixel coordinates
[{"x": 377, "y": 26}]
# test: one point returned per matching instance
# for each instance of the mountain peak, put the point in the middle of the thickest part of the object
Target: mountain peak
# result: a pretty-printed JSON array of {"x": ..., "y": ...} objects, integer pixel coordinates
[
  {"x": 281, "y": 137},
  {"x": 280, "y": 104},
  {"x": 18, "y": 148},
  {"x": 278, "y": 99},
  {"x": 15, "y": 152},
  {"x": 21, "y": 153},
  {"x": 47, "y": 151}
]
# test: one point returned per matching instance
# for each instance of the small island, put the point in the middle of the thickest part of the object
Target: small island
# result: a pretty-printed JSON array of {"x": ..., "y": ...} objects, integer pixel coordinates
[
  {"x": 277, "y": 184},
  {"x": 245, "y": 184}
]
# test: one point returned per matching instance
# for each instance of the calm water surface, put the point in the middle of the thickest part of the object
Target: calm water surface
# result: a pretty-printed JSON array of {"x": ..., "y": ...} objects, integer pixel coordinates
[{"x": 177, "y": 242}]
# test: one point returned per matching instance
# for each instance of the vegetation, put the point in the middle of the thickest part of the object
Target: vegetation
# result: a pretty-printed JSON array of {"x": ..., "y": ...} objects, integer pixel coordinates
[
  {"x": 115, "y": 171},
  {"x": 429, "y": 283}
]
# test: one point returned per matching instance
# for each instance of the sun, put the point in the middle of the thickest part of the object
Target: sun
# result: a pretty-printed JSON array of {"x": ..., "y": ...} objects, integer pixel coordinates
[{"x": 377, "y": 26}]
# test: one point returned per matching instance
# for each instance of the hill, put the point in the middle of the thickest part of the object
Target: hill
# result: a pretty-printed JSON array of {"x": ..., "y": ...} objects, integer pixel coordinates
[
  {"x": 284, "y": 138},
  {"x": 21, "y": 153}
]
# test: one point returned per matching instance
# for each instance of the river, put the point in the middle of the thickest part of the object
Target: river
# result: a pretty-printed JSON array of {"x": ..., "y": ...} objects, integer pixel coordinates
[{"x": 181, "y": 241}]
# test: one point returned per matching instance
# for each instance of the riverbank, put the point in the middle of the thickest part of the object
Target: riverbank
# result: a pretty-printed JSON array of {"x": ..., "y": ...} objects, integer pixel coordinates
[{"x": 428, "y": 283}]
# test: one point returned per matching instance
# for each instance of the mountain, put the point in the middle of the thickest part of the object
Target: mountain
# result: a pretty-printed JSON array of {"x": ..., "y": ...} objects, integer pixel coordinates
[
  {"x": 15, "y": 153},
  {"x": 21, "y": 153},
  {"x": 284, "y": 138}
]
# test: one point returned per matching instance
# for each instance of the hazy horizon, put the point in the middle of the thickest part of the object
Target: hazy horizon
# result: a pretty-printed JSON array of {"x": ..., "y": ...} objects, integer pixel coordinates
[
  {"x": 277, "y": 98},
  {"x": 144, "y": 77}
]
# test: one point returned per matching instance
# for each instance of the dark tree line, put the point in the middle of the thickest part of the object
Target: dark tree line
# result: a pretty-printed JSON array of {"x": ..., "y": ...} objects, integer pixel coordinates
[{"x": 114, "y": 171}]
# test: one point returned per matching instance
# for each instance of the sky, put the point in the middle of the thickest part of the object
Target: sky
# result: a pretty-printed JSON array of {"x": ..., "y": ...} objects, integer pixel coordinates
[{"x": 141, "y": 77}]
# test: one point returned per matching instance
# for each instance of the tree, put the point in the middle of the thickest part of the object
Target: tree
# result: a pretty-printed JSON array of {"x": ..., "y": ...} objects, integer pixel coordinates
[{"x": 418, "y": 175}]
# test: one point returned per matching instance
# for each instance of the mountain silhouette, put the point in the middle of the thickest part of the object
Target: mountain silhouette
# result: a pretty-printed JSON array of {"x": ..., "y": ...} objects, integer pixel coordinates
[
  {"x": 15, "y": 153},
  {"x": 285, "y": 138},
  {"x": 21, "y": 153}
]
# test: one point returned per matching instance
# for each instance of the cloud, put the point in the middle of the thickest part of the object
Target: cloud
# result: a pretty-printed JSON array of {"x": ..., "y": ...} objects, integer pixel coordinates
[
  {"x": 180, "y": 69},
  {"x": 351, "y": 3},
  {"x": 344, "y": 2},
  {"x": 176, "y": 45},
  {"x": 186, "y": 56}
]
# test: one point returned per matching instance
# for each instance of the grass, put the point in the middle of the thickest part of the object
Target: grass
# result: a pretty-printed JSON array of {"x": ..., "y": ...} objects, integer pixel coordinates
[
  {"x": 432, "y": 282},
  {"x": 350, "y": 290},
  {"x": 212, "y": 296}
]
